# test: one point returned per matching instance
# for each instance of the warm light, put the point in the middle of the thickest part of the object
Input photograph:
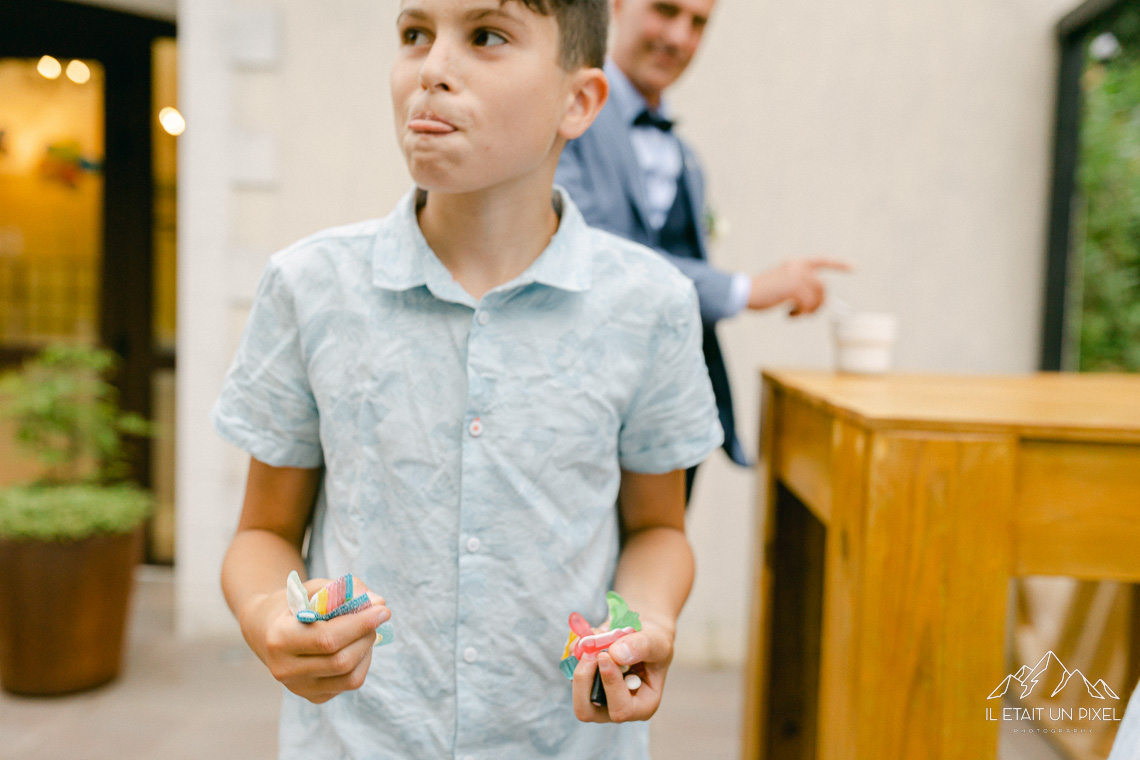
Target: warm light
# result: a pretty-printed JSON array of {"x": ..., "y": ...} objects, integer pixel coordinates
[
  {"x": 172, "y": 121},
  {"x": 49, "y": 67},
  {"x": 78, "y": 72}
]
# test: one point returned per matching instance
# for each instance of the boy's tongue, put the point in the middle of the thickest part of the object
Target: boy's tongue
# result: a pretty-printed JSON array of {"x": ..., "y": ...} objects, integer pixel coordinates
[{"x": 432, "y": 126}]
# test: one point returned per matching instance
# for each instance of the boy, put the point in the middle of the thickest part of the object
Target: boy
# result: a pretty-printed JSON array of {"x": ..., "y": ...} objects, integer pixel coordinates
[{"x": 464, "y": 389}]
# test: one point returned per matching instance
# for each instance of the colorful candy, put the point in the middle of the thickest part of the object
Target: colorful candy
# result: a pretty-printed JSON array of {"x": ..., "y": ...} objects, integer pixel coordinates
[
  {"x": 334, "y": 599},
  {"x": 582, "y": 640},
  {"x": 599, "y": 642}
]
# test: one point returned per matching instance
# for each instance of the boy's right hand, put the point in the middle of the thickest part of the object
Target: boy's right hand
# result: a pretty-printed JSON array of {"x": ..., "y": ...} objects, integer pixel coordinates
[{"x": 318, "y": 660}]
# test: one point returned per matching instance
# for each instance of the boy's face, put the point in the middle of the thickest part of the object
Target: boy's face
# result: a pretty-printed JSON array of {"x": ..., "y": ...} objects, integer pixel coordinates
[
  {"x": 478, "y": 94},
  {"x": 656, "y": 40}
]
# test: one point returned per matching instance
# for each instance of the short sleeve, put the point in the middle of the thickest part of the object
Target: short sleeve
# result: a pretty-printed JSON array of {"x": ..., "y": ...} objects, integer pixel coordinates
[
  {"x": 266, "y": 406},
  {"x": 672, "y": 421}
]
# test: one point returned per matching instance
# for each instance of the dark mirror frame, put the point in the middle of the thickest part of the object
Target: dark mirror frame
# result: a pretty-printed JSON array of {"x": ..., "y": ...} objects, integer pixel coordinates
[{"x": 1072, "y": 34}]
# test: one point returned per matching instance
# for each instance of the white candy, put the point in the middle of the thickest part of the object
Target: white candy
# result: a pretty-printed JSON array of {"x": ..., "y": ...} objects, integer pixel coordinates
[
  {"x": 295, "y": 594},
  {"x": 632, "y": 682}
]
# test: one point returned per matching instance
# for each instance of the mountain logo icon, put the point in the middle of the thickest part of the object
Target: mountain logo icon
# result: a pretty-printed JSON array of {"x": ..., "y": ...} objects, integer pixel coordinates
[{"x": 1050, "y": 676}]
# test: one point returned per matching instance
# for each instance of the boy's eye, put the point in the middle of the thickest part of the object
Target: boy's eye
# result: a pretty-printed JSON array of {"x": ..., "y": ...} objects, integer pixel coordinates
[
  {"x": 413, "y": 37},
  {"x": 487, "y": 38}
]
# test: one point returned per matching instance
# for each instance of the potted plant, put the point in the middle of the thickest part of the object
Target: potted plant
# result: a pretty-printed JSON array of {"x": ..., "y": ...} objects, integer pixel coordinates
[{"x": 70, "y": 538}]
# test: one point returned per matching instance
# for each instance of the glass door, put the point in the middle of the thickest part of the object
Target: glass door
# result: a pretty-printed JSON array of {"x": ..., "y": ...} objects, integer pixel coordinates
[
  {"x": 51, "y": 201},
  {"x": 51, "y": 213}
]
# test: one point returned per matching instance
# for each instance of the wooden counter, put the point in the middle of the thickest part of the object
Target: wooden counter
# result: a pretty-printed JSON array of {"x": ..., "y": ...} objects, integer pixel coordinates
[{"x": 897, "y": 509}]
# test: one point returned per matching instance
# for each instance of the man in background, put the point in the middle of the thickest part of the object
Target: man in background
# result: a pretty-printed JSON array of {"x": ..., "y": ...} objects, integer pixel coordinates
[{"x": 632, "y": 175}]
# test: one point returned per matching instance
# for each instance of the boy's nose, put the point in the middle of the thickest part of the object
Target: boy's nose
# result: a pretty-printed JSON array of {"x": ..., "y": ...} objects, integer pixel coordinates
[{"x": 436, "y": 72}]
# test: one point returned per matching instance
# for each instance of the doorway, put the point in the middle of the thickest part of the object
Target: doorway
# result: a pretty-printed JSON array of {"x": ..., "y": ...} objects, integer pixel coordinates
[{"x": 87, "y": 204}]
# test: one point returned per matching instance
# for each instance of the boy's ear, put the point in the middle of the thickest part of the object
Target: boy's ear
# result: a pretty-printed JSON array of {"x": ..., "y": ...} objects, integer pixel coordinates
[{"x": 589, "y": 90}]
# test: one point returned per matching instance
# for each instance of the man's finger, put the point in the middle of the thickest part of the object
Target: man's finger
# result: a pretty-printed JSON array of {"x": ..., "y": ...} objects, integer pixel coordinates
[{"x": 843, "y": 266}]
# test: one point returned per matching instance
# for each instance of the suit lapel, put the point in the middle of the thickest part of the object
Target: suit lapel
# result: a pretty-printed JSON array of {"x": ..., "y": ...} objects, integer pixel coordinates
[
  {"x": 694, "y": 186},
  {"x": 617, "y": 140}
]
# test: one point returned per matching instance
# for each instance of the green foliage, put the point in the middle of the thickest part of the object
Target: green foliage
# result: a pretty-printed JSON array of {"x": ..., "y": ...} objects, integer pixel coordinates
[
  {"x": 60, "y": 513},
  {"x": 1109, "y": 183},
  {"x": 67, "y": 416}
]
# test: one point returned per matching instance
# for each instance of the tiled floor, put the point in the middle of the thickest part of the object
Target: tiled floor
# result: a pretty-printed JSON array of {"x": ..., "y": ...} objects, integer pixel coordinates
[{"x": 215, "y": 701}]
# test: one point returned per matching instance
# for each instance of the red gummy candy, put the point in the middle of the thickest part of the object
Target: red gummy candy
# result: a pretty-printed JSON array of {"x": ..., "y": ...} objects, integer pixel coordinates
[
  {"x": 599, "y": 641},
  {"x": 579, "y": 625}
]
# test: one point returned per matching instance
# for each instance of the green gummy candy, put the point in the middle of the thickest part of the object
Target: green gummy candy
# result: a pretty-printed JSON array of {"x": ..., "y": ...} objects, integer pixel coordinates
[{"x": 621, "y": 616}]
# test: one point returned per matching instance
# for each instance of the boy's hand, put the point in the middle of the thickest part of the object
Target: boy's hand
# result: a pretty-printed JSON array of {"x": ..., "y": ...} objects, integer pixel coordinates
[
  {"x": 319, "y": 660},
  {"x": 649, "y": 653}
]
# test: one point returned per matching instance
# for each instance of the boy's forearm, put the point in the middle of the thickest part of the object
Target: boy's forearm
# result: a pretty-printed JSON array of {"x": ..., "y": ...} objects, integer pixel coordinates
[
  {"x": 257, "y": 564},
  {"x": 655, "y": 574}
]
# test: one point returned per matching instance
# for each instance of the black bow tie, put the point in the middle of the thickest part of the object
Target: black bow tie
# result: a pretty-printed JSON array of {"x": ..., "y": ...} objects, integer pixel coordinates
[{"x": 648, "y": 118}]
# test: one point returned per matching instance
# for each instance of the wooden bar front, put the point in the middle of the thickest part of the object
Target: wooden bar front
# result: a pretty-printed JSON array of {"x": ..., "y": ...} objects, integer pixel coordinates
[{"x": 896, "y": 511}]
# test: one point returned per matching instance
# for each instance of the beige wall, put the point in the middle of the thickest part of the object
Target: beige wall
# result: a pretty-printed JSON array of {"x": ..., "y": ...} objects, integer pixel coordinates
[{"x": 910, "y": 138}]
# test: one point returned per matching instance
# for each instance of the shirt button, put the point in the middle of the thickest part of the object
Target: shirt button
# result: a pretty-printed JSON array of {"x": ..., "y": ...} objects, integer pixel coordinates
[
  {"x": 475, "y": 428},
  {"x": 470, "y": 654},
  {"x": 483, "y": 317},
  {"x": 473, "y": 544}
]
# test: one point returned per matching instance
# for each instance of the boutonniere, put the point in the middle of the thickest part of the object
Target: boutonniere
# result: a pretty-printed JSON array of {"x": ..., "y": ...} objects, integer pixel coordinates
[{"x": 716, "y": 226}]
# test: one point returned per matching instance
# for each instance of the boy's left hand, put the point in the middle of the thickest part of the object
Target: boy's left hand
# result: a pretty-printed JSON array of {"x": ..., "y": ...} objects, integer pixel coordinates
[{"x": 649, "y": 653}]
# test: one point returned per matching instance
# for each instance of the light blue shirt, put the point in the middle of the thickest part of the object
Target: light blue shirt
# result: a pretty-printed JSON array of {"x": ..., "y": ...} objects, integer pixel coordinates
[
  {"x": 661, "y": 161},
  {"x": 472, "y": 454}
]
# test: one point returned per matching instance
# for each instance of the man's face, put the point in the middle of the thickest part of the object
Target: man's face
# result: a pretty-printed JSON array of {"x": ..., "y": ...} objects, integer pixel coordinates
[
  {"x": 656, "y": 39},
  {"x": 477, "y": 91}
]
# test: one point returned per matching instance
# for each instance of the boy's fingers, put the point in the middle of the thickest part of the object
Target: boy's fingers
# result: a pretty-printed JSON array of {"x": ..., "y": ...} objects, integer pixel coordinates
[
  {"x": 582, "y": 682},
  {"x": 327, "y": 637},
  {"x": 639, "y": 647},
  {"x": 619, "y": 702},
  {"x": 312, "y": 667},
  {"x": 353, "y": 679}
]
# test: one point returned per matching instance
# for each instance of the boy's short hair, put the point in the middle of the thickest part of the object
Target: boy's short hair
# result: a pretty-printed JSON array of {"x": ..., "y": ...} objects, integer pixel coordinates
[{"x": 582, "y": 29}]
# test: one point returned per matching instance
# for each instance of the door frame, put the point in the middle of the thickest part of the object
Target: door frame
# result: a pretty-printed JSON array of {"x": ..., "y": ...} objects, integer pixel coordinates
[
  {"x": 1072, "y": 36},
  {"x": 122, "y": 43}
]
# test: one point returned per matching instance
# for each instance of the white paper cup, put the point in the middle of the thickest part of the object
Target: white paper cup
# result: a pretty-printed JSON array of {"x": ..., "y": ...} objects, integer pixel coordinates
[{"x": 864, "y": 341}]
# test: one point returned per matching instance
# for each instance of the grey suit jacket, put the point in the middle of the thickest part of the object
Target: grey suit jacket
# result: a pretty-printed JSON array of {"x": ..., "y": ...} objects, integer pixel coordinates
[{"x": 602, "y": 175}]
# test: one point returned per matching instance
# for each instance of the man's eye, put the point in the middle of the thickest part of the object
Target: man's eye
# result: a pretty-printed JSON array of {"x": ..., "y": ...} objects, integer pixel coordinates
[
  {"x": 413, "y": 37},
  {"x": 487, "y": 38}
]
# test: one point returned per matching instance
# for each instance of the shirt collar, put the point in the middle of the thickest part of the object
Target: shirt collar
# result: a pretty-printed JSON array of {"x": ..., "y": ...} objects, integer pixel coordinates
[
  {"x": 402, "y": 258},
  {"x": 626, "y": 98}
]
